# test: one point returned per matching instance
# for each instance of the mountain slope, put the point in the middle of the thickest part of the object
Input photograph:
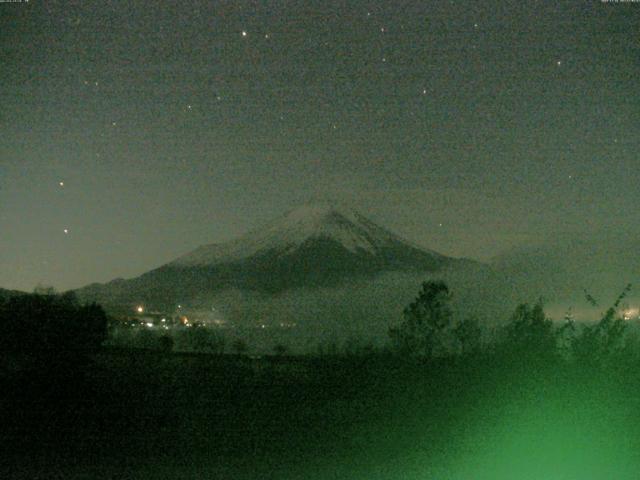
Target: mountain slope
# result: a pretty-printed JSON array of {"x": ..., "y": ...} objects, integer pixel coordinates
[
  {"x": 312, "y": 246},
  {"x": 294, "y": 230}
]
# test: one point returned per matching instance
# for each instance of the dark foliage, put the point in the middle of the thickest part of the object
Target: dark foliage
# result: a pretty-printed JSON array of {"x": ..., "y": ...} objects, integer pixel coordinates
[
  {"x": 425, "y": 321},
  {"x": 599, "y": 344},
  {"x": 144, "y": 408},
  {"x": 530, "y": 335},
  {"x": 46, "y": 346},
  {"x": 468, "y": 334},
  {"x": 201, "y": 339},
  {"x": 239, "y": 346},
  {"x": 50, "y": 329},
  {"x": 280, "y": 350},
  {"x": 166, "y": 343}
]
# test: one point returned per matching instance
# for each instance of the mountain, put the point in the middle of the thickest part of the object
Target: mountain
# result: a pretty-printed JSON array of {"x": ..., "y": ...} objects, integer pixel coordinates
[
  {"x": 311, "y": 246},
  {"x": 317, "y": 232}
]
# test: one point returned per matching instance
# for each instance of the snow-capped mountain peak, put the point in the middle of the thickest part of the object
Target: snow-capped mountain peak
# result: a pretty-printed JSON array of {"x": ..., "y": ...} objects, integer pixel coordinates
[
  {"x": 327, "y": 221},
  {"x": 315, "y": 245}
]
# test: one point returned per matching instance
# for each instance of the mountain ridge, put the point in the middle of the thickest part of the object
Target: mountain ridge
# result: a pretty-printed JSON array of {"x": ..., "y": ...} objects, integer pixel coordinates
[
  {"x": 311, "y": 246},
  {"x": 350, "y": 228}
]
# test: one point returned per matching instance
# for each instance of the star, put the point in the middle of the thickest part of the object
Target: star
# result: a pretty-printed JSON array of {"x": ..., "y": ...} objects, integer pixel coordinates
[
  {"x": 266, "y": 36},
  {"x": 244, "y": 33},
  {"x": 114, "y": 123},
  {"x": 188, "y": 107},
  {"x": 424, "y": 91},
  {"x": 61, "y": 184},
  {"x": 559, "y": 62},
  {"x": 66, "y": 231}
]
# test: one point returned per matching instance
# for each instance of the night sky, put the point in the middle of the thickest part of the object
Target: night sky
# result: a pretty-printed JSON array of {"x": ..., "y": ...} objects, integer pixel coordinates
[{"x": 133, "y": 132}]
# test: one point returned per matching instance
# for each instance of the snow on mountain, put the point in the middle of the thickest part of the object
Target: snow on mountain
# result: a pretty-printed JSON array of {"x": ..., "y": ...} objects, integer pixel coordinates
[
  {"x": 346, "y": 227},
  {"x": 314, "y": 246}
]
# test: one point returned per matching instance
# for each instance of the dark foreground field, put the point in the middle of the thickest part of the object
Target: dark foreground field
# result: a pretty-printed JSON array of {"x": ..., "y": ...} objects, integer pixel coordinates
[{"x": 152, "y": 415}]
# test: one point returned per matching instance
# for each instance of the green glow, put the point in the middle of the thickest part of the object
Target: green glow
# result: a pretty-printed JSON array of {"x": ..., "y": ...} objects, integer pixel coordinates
[{"x": 551, "y": 432}]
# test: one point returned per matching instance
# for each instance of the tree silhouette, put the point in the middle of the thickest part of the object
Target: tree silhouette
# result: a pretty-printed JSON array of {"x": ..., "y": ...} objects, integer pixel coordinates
[
  {"x": 565, "y": 335},
  {"x": 469, "y": 335},
  {"x": 55, "y": 331},
  {"x": 530, "y": 335},
  {"x": 597, "y": 344},
  {"x": 425, "y": 321}
]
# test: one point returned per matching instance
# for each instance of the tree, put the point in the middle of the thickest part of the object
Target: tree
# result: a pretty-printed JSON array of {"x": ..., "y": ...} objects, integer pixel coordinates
[
  {"x": 530, "y": 334},
  {"x": 41, "y": 289},
  {"x": 55, "y": 331},
  {"x": 566, "y": 334},
  {"x": 469, "y": 336},
  {"x": 425, "y": 321},
  {"x": 596, "y": 344}
]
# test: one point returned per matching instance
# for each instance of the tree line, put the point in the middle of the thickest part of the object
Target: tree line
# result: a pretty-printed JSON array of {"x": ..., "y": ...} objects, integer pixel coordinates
[
  {"x": 428, "y": 330},
  {"x": 49, "y": 331},
  {"x": 52, "y": 330}
]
